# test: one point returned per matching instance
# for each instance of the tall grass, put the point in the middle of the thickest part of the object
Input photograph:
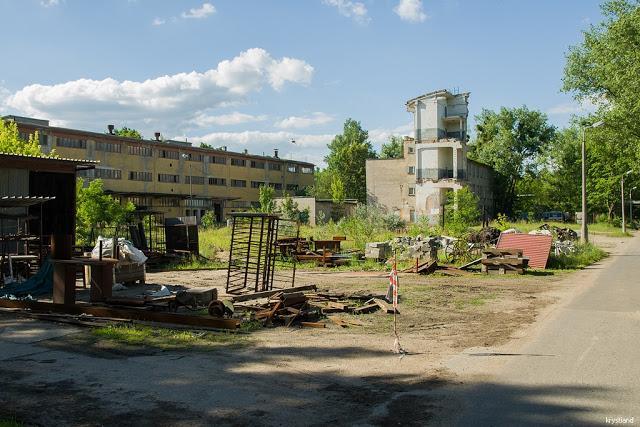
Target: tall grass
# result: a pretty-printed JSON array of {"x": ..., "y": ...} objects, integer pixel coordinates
[
  {"x": 597, "y": 228},
  {"x": 584, "y": 255}
]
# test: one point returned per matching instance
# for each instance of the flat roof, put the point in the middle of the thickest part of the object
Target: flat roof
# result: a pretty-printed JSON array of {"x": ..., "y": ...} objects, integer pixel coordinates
[
  {"x": 437, "y": 92},
  {"x": 37, "y": 123}
]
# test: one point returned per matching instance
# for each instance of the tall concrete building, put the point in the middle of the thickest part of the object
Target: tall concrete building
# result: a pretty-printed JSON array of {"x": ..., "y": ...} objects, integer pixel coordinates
[
  {"x": 435, "y": 161},
  {"x": 172, "y": 177}
]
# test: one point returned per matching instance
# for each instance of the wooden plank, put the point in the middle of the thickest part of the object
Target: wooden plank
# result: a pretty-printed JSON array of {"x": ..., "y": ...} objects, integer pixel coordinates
[
  {"x": 265, "y": 294},
  {"x": 313, "y": 325},
  {"x": 469, "y": 264},
  {"x": 366, "y": 308},
  {"x": 385, "y": 306},
  {"x": 124, "y": 313}
]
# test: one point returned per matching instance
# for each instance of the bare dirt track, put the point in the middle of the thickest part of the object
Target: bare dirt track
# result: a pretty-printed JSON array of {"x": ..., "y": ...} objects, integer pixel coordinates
[{"x": 58, "y": 375}]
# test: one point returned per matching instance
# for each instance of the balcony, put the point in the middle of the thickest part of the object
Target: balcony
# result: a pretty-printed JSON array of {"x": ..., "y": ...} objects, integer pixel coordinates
[{"x": 438, "y": 174}]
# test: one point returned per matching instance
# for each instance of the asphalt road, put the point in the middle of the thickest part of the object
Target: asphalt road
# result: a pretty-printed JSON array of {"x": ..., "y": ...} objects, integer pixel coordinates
[{"x": 581, "y": 368}]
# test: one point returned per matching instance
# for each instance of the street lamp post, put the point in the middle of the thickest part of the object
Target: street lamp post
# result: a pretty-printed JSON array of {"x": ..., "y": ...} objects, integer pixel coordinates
[
  {"x": 584, "y": 237},
  {"x": 624, "y": 225}
]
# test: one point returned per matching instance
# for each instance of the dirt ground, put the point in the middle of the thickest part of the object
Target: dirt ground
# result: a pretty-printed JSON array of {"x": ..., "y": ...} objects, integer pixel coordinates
[{"x": 285, "y": 375}]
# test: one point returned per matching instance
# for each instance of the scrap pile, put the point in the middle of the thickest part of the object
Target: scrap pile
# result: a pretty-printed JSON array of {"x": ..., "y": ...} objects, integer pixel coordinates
[
  {"x": 503, "y": 261},
  {"x": 305, "y": 306},
  {"x": 487, "y": 236},
  {"x": 325, "y": 253},
  {"x": 563, "y": 239}
]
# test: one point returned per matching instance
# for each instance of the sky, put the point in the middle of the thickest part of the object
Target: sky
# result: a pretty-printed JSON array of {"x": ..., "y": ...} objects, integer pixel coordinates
[{"x": 259, "y": 74}]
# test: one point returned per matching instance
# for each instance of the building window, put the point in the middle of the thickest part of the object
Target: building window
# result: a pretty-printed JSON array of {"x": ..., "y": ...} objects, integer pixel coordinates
[
  {"x": 42, "y": 139},
  {"x": 168, "y": 202},
  {"x": 306, "y": 169},
  {"x": 71, "y": 143},
  {"x": 165, "y": 177},
  {"x": 195, "y": 157},
  {"x": 218, "y": 160},
  {"x": 198, "y": 180},
  {"x": 238, "y": 183},
  {"x": 138, "y": 150},
  {"x": 109, "y": 147},
  {"x": 292, "y": 168},
  {"x": 292, "y": 187},
  {"x": 140, "y": 200},
  {"x": 257, "y": 184},
  {"x": 275, "y": 166},
  {"x": 139, "y": 176},
  {"x": 238, "y": 162},
  {"x": 412, "y": 191},
  {"x": 217, "y": 181},
  {"x": 108, "y": 173},
  {"x": 277, "y": 186},
  {"x": 411, "y": 170},
  {"x": 168, "y": 154},
  {"x": 256, "y": 164},
  {"x": 410, "y": 150}
]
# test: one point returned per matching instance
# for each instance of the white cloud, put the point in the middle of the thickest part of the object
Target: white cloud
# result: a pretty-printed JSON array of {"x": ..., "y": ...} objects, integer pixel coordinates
[
  {"x": 410, "y": 10},
  {"x": 158, "y": 21},
  {"x": 382, "y": 135},
  {"x": 587, "y": 106},
  {"x": 299, "y": 122},
  {"x": 307, "y": 147},
  {"x": 168, "y": 101},
  {"x": 351, "y": 9},
  {"x": 235, "y": 118},
  {"x": 49, "y": 3},
  {"x": 200, "y": 12}
]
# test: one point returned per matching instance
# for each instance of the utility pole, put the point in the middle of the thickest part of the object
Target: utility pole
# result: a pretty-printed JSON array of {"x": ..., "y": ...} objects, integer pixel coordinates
[
  {"x": 631, "y": 205},
  {"x": 624, "y": 225},
  {"x": 584, "y": 236}
]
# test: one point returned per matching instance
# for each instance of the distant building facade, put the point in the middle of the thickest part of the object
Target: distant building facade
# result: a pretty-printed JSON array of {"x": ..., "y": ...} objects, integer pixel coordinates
[
  {"x": 435, "y": 161},
  {"x": 172, "y": 177},
  {"x": 321, "y": 210}
]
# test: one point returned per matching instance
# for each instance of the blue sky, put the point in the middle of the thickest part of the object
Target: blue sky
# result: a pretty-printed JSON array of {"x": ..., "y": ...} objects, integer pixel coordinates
[{"x": 256, "y": 74}]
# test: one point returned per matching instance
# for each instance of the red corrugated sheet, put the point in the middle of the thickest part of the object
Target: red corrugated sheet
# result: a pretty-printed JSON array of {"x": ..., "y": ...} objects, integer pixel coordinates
[{"x": 534, "y": 247}]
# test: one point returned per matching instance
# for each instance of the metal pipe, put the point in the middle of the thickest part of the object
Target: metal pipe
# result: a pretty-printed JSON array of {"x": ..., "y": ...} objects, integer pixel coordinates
[{"x": 584, "y": 236}]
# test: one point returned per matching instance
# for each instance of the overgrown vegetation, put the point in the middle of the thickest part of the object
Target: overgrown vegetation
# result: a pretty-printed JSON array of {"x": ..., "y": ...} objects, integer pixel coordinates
[
  {"x": 11, "y": 142},
  {"x": 583, "y": 256},
  {"x": 96, "y": 210},
  {"x": 168, "y": 339}
]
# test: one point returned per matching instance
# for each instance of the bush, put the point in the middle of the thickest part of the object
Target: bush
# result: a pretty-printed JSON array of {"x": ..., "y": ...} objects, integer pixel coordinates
[
  {"x": 208, "y": 220},
  {"x": 584, "y": 255},
  {"x": 461, "y": 211}
]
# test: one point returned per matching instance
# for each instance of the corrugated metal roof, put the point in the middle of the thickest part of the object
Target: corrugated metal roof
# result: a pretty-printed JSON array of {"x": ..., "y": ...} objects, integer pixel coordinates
[
  {"x": 22, "y": 201},
  {"x": 534, "y": 247},
  {"x": 62, "y": 159}
]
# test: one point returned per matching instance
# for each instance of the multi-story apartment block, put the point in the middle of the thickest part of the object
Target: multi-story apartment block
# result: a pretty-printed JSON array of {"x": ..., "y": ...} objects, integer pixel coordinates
[
  {"x": 173, "y": 177},
  {"x": 435, "y": 161}
]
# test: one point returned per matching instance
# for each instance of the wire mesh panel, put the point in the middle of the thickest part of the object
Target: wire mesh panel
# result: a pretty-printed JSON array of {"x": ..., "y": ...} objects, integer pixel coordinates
[{"x": 256, "y": 262}]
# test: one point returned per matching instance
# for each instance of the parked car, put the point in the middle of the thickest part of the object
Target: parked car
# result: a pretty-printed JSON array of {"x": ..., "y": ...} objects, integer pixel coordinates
[{"x": 554, "y": 216}]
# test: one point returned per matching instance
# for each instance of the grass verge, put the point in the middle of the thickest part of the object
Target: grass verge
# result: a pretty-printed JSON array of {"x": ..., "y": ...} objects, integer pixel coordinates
[
  {"x": 583, "y": 256},
  {"x": 11, "y": 422},
  {"x": 168, "y": 339}
]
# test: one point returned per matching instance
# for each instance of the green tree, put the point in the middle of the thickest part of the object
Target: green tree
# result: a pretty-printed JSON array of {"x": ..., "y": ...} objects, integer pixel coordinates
[
  {"x": 337, "y": 191},
  {"x": 321, "y": 188},
  {"x": 348, "y": 153},
  {"x": 267, "y": 204},
  {"x": 511, "y": 141},
  {"x": 393, "y": 149},
  {"x": 10, "y": 141},
  {"x": 205, "y": 145},
  {"x": 96, "y": 209},
  {"x": 605, "y": 67},
  {"x": 128, "y": 133},
  {"x": 461, "y": 210}
]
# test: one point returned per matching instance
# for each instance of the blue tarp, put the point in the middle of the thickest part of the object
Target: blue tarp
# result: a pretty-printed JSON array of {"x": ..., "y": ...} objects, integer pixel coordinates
[{"x": 40, "y": 284}]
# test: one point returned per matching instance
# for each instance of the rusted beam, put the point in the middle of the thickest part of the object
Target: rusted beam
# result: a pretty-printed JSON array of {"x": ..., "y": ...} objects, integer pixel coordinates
[{"x": 124, "y": 313}]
